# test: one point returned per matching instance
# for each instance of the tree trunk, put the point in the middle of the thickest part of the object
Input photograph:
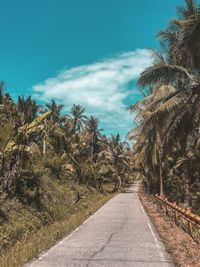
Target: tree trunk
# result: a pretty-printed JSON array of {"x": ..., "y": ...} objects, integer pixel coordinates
[
  {"x": 148, "y": 185},
  {"x": 186, "y": 190},
  {"x": 160, "y": 159},
  {"x": 161, "y": 180},
  {"x": 118, "y": 183},
  {"x": 123, "y": 180}
]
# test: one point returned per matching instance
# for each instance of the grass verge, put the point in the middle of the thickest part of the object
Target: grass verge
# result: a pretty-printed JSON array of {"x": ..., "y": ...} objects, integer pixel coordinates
[{"x": 27, "y": 248}]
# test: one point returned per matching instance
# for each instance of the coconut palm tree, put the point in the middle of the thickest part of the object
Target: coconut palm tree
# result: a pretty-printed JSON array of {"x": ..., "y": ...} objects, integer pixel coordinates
[
  {"x": 78, "y": 118},
  {"x": 92, "y": 135},
  {"x": 188, "y": 41},
  {"x": 10, "y": 110},
  {"x": 28, "y": 108},
  {"x": 174, "y": 95},
  {"x": 182, "y": 36},
  {"x": 114, "y": 153},
  {"x": 55, "y": 111}
]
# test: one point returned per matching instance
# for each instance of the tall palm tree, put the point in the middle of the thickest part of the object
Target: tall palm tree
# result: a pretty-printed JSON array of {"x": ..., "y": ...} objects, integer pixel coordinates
[
  {"x": 174, "y": 82},
  {"x": 161, "y": 113},
  {"x": 114, "y": 153},
  {"x": 12, "y": 111},
  {"x": 55, "y": 111},
  {"x": 78, "y": 118},
  {"x": 188, "y": 33},
  {"x": 92, "y": 135}
]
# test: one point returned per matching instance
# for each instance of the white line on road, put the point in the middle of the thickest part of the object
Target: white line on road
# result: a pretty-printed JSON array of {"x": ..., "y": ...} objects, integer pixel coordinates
[
  {"x": 44, "y": 254},
  {"x": 152, "y": 232}
]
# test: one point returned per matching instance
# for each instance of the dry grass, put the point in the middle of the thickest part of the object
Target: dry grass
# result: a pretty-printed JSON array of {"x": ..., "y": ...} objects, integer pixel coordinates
[
  {"x": 29, "y": 247},
  {"x": 185, "y": 252}
]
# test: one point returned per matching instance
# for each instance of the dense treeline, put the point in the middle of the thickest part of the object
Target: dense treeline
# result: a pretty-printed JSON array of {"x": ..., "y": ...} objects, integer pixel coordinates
[
  {"x": 71, "y": 146},
  {"x": 167, "y": 138},
  {"x": 52, "y": 166}
]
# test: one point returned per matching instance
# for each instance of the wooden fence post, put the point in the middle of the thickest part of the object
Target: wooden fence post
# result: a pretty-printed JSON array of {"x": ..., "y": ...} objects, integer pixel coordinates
[
  {"x": 161, "y": 206},
  {"x": 166, "y": 210},
  {"x": 189, "y": 224},
  {"x": 189, "y": 228},
  {"x": 175, "y": 214},
  {"x": 175, "y": 218}
]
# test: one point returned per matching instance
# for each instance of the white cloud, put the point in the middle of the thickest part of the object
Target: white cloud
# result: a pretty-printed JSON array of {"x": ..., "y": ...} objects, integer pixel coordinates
[{"x": 100, "y": 87}]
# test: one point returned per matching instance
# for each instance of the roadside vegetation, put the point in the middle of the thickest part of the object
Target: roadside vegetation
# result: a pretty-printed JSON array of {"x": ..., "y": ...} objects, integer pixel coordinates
[
  {"x": 167, "y": 136},
  {"x": 182, "y": 248},
  {"x": 55, "y": 170}
]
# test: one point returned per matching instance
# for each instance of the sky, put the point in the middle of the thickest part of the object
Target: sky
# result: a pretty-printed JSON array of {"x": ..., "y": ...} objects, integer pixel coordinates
[{"x": 87, "y": 52}]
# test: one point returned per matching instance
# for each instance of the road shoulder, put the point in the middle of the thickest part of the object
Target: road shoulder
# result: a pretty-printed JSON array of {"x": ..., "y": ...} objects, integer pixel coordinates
[{"x": 179, "y": 244}]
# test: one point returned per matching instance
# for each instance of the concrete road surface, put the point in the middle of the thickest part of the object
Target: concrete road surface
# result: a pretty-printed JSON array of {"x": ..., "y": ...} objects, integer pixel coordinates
[{"x": 119, "y": 234}]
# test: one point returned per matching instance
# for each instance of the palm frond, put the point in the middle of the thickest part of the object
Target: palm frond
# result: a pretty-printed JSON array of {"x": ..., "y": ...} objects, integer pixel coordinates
[
  {"x": 163, "y": 74},
  {"x": 171, "y": 102},
  {"x": 190, "y": 9}
]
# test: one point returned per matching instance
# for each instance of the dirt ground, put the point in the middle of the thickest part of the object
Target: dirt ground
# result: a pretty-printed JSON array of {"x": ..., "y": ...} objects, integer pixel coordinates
[{"x": 179, "y": 244}]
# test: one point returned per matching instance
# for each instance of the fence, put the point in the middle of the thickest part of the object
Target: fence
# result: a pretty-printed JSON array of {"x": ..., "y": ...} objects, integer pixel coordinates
[{"x": 183, "y": 217}]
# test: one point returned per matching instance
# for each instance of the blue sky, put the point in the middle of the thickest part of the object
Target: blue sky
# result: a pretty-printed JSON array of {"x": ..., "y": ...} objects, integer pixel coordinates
[{"x": 84, "y": 51}]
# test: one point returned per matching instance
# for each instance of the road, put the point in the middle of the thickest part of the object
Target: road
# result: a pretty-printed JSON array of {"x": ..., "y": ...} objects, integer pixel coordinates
[{"x": 119, "y": 234}]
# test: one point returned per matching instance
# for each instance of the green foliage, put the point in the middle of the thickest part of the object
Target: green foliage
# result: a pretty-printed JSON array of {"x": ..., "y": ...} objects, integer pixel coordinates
[
  {"x": 47, "y": 161},
  {"x": 55, "y": 165},
  {"x": 166, "y": 140}
]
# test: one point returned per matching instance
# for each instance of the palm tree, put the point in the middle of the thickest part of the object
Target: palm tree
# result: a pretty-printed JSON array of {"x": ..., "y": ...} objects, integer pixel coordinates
[
  {"x": 78, "y": 118},
  {"x": 114, "y": 153},
  {"x": 28, "y": 108},
  {"x": 160, "y": 115},
  {"x": 161, "y": 99},
  {"x": 12, "y": 111},
  {"x": 92, "y": 135},
  {"x": 55, "y": 111},
  {"x": 189, "y": 23},
  {"x": 173, "y": 83},
  {"x": 186, "y": 44}
]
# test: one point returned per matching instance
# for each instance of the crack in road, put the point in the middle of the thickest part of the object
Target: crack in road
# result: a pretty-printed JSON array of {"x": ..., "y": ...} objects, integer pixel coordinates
[
  {"x": 107, "y": 242},
  {"x": 118, "y": 236}
]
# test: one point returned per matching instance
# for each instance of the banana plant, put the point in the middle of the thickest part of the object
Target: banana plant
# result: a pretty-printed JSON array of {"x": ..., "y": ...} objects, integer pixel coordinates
[{"x": 19, "y": 148}]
